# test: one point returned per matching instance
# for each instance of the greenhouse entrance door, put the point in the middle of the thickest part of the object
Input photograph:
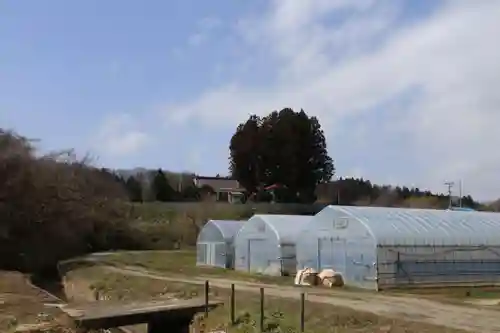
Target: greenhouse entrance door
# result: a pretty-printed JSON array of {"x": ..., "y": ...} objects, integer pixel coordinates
[
  {"x": 339, "y": 256},
  {"x": 210, "y": 254},
  {"x": 332, "y": 254},
  {"x": 219, "y": 254},
  {"x": 256, "y": 255}
]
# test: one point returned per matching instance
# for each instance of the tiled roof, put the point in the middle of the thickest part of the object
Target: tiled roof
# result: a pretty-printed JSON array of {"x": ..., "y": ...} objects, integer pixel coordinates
[{"x": 218, "y": 183}]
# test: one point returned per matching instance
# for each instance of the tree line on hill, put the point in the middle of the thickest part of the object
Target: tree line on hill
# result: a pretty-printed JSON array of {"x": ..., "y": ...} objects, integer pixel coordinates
[
  {"x": 283, "y": 158},
  {"x": 343, "y": 191},
  {"x": 360, "y": 192},
  {"x": 158, "y": 185}
]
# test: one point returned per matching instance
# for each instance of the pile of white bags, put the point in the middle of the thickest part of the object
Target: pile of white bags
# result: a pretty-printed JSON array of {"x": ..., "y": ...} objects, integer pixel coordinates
[{"x": 327, "y": 277}]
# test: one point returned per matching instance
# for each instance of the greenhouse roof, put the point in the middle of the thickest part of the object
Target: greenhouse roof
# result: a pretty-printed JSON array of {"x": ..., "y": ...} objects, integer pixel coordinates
[
  {"x": 463, "y": 209},
  {"x": 286, "y": 227},
  {"x": 404, "y": 226},
  {"x": 228, "y": 228}
]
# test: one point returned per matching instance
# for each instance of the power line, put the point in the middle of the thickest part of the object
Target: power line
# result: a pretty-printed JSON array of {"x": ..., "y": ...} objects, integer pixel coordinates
[{"x": 450, "y": 186}]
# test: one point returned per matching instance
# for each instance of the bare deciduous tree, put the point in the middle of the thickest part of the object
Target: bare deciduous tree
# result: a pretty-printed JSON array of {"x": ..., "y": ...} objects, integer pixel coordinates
[{"x": 53, "y": 206}]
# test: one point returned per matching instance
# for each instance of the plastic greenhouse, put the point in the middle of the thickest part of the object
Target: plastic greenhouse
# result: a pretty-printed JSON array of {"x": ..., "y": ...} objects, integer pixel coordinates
[
  {"x": 215, "y": 244},
  {"x": 377, "y": 248},
  {"x": 266, "y": 244}
]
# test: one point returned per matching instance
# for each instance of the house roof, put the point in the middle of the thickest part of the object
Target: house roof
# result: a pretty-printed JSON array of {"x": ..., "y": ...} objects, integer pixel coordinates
[{"x": 219, "y": 183}]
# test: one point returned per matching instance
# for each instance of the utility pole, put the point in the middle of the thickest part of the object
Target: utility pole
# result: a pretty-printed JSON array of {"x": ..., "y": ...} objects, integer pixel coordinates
[
  {"x": 461, "y": 194},
  {"x": 338, "y": 190},
  {"x": 450, "y": 186}
]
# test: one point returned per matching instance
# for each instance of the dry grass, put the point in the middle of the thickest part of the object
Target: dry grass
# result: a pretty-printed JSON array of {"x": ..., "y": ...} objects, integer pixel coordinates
[
  {"x": 183, "y": 263},
  {"x": 281, "y": 315},
  {"x": 166, "y": 227},
  {"x": 154, "y": 211},
  {"x": 455, "y": 295},
  {"x": 21, "y": 304},
  {"x": 218, "y": 210},
  {"x": 174, "y": 225}
]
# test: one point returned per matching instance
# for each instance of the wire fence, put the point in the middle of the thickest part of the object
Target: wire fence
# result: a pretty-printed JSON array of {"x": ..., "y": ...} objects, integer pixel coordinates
[{"x": 232, "y": 307}]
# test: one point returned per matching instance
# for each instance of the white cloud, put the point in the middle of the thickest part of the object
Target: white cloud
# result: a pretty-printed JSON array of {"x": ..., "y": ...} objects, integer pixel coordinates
[
  {"x": 204, "y": 28},
  {"x": 196, "y": 39},
  {"x": 118, "y": 137},
  {"x": 345, "y": 70}
]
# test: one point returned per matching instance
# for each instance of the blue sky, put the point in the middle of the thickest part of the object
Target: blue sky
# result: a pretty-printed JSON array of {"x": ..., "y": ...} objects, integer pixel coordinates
[{"x": 405, "y": 89}]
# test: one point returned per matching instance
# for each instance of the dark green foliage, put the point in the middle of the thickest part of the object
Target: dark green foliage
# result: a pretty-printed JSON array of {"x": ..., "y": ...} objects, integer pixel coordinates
[
  {"x": 352, "y": 191},
  {"x": 245, "y": 161},
  {"x": 190, "y": 193},
  {"x": 134, "y": 189},
  {"x": 161, "y": 189},
  {"x": 286, "y": 148}
]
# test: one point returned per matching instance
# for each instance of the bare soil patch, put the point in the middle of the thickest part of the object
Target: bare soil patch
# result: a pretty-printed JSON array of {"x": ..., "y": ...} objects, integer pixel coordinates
[{"x": 23, "y": 305}]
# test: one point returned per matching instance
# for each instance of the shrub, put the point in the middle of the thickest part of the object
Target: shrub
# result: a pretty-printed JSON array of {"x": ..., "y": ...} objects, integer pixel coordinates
[{"x": 53, "y": 207}]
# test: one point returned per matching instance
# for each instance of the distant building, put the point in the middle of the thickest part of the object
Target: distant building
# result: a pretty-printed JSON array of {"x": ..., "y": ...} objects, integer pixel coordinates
[{"x": 220, "y": 188}]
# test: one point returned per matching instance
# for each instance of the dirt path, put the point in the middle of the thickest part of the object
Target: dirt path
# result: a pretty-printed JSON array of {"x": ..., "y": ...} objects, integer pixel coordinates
[{"x": 407, "y": 308}]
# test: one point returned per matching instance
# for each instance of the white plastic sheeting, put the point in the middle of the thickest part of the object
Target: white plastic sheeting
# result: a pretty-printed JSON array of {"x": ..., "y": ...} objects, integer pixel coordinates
[
  {"x": 403, "y": 226},
  {"x": 266, "y": 244},
  {"x": 215, "y": 244},
  {"x": 378, "y": 247}
]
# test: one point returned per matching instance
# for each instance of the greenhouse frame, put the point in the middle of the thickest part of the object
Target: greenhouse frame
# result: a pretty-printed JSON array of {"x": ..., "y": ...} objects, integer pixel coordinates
[
  {"x": 379, "y": 248},
  {"x": 215, "y": 243},
  {"x": 266, "y": 244}
]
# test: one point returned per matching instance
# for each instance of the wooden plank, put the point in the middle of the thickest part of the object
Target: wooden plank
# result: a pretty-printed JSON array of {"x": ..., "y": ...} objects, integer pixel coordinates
[
  {"x": 111, "y": 314},
  {"x": 113, "y": 309}
]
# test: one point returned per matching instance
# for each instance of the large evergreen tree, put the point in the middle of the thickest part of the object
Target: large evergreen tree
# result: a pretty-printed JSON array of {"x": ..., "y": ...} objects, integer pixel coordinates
[
  {"x": 162, "y": 191},
  {"x": 245, "y": 161},
  {"x": 286, "y": 148}
]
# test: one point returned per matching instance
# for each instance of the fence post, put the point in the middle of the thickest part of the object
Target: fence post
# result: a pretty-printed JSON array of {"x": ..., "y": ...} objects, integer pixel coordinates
[
  {"x": 261, "y": 310},
  {"x": 302, "y": 312},
  {"x": 233, "y": 319},
  {"x": 207, "y": 287}
]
